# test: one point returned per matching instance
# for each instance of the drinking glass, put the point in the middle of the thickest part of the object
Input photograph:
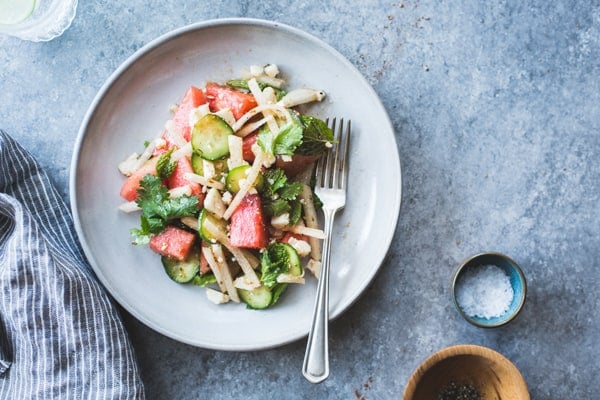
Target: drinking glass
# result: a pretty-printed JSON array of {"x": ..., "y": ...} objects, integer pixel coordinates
[{"x": 36, "y": 20}]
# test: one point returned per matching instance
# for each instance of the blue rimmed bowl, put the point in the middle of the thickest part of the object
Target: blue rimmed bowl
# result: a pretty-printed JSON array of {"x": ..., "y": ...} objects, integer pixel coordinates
[{"x": 517, "y": 283}]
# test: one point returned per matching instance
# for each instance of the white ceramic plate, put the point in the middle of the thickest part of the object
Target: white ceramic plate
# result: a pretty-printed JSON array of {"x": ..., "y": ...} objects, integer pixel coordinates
[{"x": 132, "y": 107}]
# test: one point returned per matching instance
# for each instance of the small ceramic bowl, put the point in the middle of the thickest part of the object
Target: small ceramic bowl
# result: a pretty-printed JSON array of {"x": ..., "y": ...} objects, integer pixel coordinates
[
  {"x": 485, "y": 283},
  {"x": 463, "y": 367}
]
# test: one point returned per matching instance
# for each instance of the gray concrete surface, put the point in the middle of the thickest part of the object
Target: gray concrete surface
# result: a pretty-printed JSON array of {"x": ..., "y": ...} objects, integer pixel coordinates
[{"x": 496, "y": 109}]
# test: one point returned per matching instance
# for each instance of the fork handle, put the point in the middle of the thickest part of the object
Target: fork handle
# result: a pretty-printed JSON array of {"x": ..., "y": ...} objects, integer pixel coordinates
[{"x": 316, "y": 359}]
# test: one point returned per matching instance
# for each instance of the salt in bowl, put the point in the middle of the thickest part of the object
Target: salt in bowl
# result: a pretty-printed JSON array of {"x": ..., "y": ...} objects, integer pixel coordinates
[{"x": 489, "y": 289}]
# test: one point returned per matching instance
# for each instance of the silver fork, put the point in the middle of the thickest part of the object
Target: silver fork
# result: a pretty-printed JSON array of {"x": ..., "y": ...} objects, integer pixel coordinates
[{"x": 330, "y": 187}]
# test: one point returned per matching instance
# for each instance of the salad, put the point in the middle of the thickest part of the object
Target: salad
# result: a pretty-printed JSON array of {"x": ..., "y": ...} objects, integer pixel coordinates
[{"x": 224, "y": 192}]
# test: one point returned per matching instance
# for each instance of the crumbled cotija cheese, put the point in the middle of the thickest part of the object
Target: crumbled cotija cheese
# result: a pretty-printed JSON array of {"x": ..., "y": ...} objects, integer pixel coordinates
[{"x": 484, "y": 292}]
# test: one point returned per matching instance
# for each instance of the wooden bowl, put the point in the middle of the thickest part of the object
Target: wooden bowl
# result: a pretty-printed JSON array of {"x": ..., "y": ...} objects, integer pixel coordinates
[{"x": 492, "y": 374}]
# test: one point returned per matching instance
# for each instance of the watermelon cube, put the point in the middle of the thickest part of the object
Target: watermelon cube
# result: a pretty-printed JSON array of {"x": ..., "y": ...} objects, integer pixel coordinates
[
  {"x": 192, "y": 98},
  {"x": 173, "y": 242},
  {"x": 247, "y": 226},
  {"x": 221, "y": 97},
  {"x": 177, "y": 179},
  {"x": 132, "y": 183}
]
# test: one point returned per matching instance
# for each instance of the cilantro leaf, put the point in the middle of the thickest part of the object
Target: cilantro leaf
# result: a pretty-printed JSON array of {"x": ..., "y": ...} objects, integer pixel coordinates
[
  {"x": 281, "y": 196},
  {"x": 277, "y": 207},
  {"x": 158, "y": 209},
  {"x": 288, "y": 139},
  {"x": 275, "y": 180},
  {"x": 274, "y": 262},
  {"x": 283, "y": 142}
]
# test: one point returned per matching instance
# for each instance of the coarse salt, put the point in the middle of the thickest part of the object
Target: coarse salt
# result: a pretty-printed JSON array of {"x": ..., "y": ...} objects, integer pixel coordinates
[{"x": 484, "y": 292}]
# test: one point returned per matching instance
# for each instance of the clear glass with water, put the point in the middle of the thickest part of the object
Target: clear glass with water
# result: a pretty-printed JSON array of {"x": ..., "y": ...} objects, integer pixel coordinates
[{"x": 36, "y": 20}]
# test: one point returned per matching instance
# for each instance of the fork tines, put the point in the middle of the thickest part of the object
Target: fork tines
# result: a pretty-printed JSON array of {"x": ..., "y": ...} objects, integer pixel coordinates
[{"x": 332, "y": 168}]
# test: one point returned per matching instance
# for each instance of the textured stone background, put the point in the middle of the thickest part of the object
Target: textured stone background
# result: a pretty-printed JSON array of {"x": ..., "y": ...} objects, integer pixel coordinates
[{"x": 497, "y": 116}]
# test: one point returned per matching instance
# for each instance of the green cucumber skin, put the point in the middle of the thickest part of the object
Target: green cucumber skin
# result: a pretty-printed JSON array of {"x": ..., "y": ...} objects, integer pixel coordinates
[
  {"x": 210, "y": 137},
  {"x": 295, "y": 264},
  {"x": 204, "y": 233},
  {"x": 257, "y": 299},
  {"x": 182, "y": 271},
  {"x": 262, "y": 297},
  {"x": 235, "y": 175},
  {"x": 197, "y": 166}
]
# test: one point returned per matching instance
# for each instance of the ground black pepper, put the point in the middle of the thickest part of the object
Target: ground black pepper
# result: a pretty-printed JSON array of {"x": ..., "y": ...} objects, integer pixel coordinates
[{"x": 454, "y": 391}]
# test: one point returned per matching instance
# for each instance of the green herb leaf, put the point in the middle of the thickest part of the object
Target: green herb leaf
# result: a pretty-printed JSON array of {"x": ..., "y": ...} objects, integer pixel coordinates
[
  {"x": 277, "y": 207},
  {"x": 290, "y": 190},
  {"x": 158, "y": 209},
  {"x": 204, "y": 279},
  {"x": 281, "y": 196},
  {"x": 288, "y": 139},
  {"x": 283, "y": 142},
  {"x": 295, "y": 212},
  {"x": 243, "y": 85},
  {"x": 315, "y": 137},
  {"x": 140, "y": 236},
  {"x": 274, "y": 180},
  {"x": 239, "y": 84},
  {"x": 316, "y": 200},
  {"x": 164, "y": 165},
  {"x": 276, "y": 292},
  {"x": 274, "y": 262}
]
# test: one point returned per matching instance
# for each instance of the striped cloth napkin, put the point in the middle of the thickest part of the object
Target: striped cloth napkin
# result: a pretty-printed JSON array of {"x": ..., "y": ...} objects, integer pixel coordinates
[{"x": 61, "y": 336}]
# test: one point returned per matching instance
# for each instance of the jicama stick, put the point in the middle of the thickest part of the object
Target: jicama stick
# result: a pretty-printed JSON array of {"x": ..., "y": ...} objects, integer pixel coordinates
[
  {"x": 203, "y": 181},
  {"x": 135, "y": 161},
  {"x": 251, "y": 127},
  {"x": 305, "y": 230},
  {"x": 212, "y": 263},
  {"x": 214, "y": 203},
  {"x": 184, "y": 151},
  {"x": 261, "y": 100},
  {"x": 259, "y": 109},
  {"x": 236, "y": 153},
  {"x": 225, "y": 272},
  {"x": 310, "y": 218}
]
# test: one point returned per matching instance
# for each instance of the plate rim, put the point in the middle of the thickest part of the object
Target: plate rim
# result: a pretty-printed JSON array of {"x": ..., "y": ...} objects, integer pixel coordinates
[{"x": 344, "y": 304}]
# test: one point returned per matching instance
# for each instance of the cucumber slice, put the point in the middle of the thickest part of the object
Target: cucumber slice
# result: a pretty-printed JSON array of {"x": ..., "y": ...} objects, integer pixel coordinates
[
  {"x": 208, "y": 221},
  {"x": 198, "y": 165},
  {"x": 182, "y": 271},
  {"x": 262, "y": 297},
  {"x": 280, "y": 258},
  {"x": 210, "y": 137},
  {"x": 234, "y": 176},
  {"x": 294, "y": 260},
  {"x": 258, "y": 298}
]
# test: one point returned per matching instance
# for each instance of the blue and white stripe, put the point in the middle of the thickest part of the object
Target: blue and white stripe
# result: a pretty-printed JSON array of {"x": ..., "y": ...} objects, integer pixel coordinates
[{"x": 61, "y": 336}]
